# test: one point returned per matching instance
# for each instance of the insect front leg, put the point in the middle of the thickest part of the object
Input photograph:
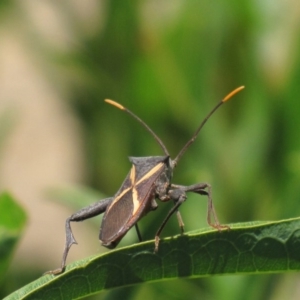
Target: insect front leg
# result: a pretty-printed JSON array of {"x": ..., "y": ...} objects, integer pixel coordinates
[
  {"x": 180, "y": 221},
  {"x": 83, "y": 214},
  {"x": 178, "y": 196},
  {"x": 165, "y": 194},
  {"x": 177, "y": 193},
  {"x": 205, "y": 189}
]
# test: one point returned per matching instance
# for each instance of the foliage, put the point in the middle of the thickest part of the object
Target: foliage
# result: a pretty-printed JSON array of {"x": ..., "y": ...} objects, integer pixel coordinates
[
  {"x": 257, "y": 247},
  {"x": 12, "y": 223},
  {"x": 170, "y": 63}
]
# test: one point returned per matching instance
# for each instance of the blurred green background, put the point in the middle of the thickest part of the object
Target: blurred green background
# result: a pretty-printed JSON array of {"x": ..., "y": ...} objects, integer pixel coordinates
[{"x": 169, "y": 62}]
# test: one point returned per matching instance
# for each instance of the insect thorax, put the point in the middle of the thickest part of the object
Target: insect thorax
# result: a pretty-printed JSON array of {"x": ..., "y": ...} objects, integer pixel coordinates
[{"x": 148, "y": 164}]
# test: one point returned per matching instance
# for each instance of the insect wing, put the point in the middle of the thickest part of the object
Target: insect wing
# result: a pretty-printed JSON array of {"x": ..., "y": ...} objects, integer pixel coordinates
[{"x": 130, "y": 201}]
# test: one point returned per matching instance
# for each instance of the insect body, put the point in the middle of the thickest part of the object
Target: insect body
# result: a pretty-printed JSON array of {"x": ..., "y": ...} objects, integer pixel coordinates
[
  {"x": 149, "y": 179},
  {"x": 135, "y": 197}
]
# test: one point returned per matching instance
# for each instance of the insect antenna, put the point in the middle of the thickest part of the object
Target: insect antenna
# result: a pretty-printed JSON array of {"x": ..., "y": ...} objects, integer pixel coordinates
[
  {"x": 118, "y": 105},
  {"x": 187, "y": 145}
]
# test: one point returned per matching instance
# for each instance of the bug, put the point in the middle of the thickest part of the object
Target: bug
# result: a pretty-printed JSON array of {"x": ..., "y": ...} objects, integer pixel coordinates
[{"x": 149, "y": 179}]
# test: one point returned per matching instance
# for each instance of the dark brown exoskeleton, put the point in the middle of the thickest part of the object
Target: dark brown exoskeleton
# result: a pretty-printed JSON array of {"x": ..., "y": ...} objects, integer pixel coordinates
[{"x": 148, "y": 179}]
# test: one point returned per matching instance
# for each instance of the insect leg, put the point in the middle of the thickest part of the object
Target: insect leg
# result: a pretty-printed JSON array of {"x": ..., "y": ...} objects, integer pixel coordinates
[
  {"x": 83, "y": 214},
  {"x": 180, "y": 221},
  {"x": 204, "y": 189},
  {"x": 178, "y": 194},
  {"x": 179, "y": 198},
  {"x": 138, "y": 232}
]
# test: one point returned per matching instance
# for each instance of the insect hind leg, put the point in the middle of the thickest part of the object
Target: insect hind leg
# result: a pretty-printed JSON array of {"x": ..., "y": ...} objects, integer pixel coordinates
[{"x": 83, "y": 214}]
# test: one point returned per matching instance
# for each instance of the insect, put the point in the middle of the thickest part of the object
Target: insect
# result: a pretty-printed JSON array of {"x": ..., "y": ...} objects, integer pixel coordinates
[{"x": 149, "y": 179}]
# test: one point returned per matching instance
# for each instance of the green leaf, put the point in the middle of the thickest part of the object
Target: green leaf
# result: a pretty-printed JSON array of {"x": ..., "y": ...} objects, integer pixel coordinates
[
  {"x": 12, "y": 222},
  {"x": 257, "y": 247}
]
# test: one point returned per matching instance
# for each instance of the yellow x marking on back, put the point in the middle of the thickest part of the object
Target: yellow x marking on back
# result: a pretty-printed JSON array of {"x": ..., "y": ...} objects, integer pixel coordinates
[{"x": 134, "y": 185}]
